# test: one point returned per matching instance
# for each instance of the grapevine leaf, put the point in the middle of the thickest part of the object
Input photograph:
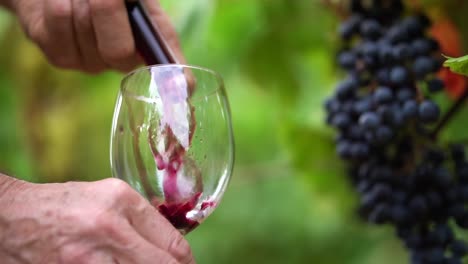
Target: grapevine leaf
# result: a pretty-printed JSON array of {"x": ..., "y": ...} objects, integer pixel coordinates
[{"x": 458, "y": 65}]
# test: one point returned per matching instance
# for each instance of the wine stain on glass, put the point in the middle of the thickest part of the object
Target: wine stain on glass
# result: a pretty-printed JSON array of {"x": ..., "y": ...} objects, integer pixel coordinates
[{"x": 182, "y": 181}]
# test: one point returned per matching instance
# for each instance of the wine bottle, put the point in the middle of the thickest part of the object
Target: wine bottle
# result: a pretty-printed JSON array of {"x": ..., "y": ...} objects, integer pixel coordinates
[{"x": 149, "y": 41}]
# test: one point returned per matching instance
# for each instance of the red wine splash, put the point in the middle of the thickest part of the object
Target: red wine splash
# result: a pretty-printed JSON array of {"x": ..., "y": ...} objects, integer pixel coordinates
[
  {"x": 177, "y": 203},
  {"x": 169, "y": 141}
]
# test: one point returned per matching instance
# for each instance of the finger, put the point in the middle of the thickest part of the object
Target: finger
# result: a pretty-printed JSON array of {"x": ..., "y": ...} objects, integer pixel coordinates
[
  {"x": 139, "y": 251},
  {"x": 113, "y": 34},
  {"x": 60, "y": 45},
  {"x": 151, "y": 225},
  {"x": 162, "y": 22},
  {"x": 86, "y": 40}
]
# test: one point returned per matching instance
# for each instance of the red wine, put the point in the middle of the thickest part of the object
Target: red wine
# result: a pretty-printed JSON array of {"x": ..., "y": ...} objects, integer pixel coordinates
[
  {"x": 177, "y": 213},
  {"x": 178, "y": 205},
  {"x": 182, "y": 184},
  {"x": 148, "y": 40}
]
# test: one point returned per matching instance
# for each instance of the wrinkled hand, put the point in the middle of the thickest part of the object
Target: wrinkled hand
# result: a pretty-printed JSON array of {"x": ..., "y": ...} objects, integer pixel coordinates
[
  {"x": 88, "y": 35},
  {"x": 101, "y": 222}
]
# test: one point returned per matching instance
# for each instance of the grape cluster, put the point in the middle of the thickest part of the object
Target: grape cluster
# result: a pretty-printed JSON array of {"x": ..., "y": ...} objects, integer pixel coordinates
[{"x": 383, "y": 112}]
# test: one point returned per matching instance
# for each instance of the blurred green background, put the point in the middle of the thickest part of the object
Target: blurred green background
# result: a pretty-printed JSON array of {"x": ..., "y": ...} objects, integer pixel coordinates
[{"x": 288, "y": 201}]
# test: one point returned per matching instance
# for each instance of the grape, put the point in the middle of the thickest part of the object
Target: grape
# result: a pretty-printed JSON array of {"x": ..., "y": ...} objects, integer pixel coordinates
[
  {"x": 429, "y": 112},
  {"x": 435, "y": 85},
  {"x": 383, "y": 117},
  {"x": 383, "y": 134},
  {"x": 402, "y": 52},
  {"x": 410, "y": 109},
  {"x": 387, "y": 53},
  {"x": 369, "y": 50},
  {"x": 405, "y": 94},
  {"x": 422, "y": 66},
  {"x": 397, "y": 35},
  {"x": 363, "y": 105},
  {"x": 347, "y": 60},
  {"x": 421, "y": 46},
  {"x": 344, "y": 149},
  {"x": 341, "y": 120},
  {"x": 369, "y": 120},
  {"x": 345, "y": 89},
  {"x": 383, "y": 95},
  {"x": 350, "y": 27},
  {"x": 413, "y": 26},
  {"x": 399, "y": 75},
  {"x": 370, "y": 29}
]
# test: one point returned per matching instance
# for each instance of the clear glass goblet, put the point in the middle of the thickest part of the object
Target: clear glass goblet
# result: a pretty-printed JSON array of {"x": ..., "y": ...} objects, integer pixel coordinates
[{"x": 172, "y": 140}]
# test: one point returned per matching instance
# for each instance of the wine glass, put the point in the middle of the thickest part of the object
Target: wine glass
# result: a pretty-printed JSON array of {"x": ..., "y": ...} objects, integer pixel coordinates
[{"x": 172, "y": 140}]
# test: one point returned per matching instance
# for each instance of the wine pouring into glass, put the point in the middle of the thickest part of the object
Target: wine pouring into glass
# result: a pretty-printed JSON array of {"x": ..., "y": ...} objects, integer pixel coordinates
[{"x": 171, "y": 134}]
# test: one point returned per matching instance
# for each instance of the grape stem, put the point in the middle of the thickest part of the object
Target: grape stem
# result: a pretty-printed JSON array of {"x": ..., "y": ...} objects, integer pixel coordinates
[{"x": 453, "y": 110}]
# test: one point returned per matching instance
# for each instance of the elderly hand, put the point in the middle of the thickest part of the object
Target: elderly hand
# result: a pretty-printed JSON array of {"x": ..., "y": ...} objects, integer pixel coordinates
[
  {"x": 100, "y": 222},
  {"x": 87, "y": 35}
]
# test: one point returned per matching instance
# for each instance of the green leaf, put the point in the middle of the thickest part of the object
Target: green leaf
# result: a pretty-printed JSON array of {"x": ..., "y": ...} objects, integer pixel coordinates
[{"x": 458, "y": 65}]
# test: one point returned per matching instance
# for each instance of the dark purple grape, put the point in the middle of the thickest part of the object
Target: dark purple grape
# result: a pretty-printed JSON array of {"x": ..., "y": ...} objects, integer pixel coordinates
[
  {"x": 424, "y": 20},
  {"x": 429, "y": 112},
  {"x": 436, "y": 256},
  {"x": 413, "y": 26},
  {"x": 386, "y": 53},
  {"x": 383, "y": 76},
  {"x": 346, "y": 89},
  {"x": 347, "y": 60},
  {"x": 402, "y": 52},
  {"x": 341, "y": 121},
  {"x": 380, "y": 214},
  {"x": 383, "y": 134},
  {"x": 442, "y": 178},
  {"x": 344, "y": 149},
  {"x": 422, "y": 66},
  {"x": 405, "y": 94},
  {"x": 400, "y": 214},
  {"x": 383, "y": 95},
  {"x": 422, "y": 46},
  {"x": 363, "y": 105},
  {"x": 371, "y": 29},
  {"x": 399, "y": 75},
  {"x": 350, "y": 27},
  {"x": 418, "y": 205},
  {"x": 332, "y": 105},
  {"x": 370, "y": 50},
  {"x": 369, "y": 120},
  {"x": 410, "y": 109},
  {"x": 435, "y": 85},
  {"x": 397, "y": 35}
]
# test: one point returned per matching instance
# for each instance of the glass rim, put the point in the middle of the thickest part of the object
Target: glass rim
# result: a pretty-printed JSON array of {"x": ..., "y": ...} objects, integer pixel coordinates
[{"x": 127, "y": 76}]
